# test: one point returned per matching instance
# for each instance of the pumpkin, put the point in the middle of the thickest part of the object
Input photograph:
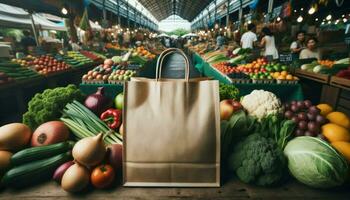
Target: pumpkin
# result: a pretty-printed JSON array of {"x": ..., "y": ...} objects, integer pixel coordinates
[
  {"x": 339, "y": 118},
  {"x": 325, "y": 109},
  {"x": 334, "y": 133},
  {"x": 343, "y": 148}
]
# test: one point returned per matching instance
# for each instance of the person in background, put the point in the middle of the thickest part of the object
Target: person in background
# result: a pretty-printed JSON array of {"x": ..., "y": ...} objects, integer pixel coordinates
[
  {"x": 220, "y": 40},
  {"x": 268, "y": 42},
  {"x": 299, "y": 44},
  {"x": 311, "y": 50},
  {"x": 249, "y": 38},
  {"x": 27, "y": 41},
  {"x": 167, "y": 42}
]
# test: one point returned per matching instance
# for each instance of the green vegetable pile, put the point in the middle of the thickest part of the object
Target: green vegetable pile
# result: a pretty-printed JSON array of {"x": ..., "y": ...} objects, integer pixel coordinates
[
  {"x": 253, "y": 149},
  {"x": 48, "y": 106},
  {"x": 228, "y": 92},
  {"x": 258, "y": 160}
]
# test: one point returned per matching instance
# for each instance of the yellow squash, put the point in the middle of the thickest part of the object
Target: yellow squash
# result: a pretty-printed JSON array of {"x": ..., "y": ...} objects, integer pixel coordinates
[
  {"x": 339, "y": 118},
  {"x": 325, "y": 109},
  {"x": 343, "y": 148},
  {"x": 334, "y": 133}
]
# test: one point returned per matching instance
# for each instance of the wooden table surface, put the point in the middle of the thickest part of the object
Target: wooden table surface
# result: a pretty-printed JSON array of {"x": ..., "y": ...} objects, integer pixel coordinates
[{"x": 233, "y": 189}]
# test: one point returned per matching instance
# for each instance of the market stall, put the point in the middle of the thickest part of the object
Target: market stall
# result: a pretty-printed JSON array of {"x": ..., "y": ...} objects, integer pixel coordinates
[{"x": 240, "y": 110}]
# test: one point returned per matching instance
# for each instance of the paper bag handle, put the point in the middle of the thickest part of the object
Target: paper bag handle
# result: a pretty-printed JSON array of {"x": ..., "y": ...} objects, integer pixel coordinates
[{"x": 164, "y": 54}]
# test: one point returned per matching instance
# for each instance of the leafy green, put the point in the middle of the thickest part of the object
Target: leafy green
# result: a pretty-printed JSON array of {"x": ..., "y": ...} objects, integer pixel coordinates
[
  {"x": 315, "y": 163},
  {"x": 238, "y": 126},
  {"x": 228, "y": 92},
  {"x": 47, "y": 106},
  {"x": 258, "y": 160},
  {"x": 277, "y": 128}
]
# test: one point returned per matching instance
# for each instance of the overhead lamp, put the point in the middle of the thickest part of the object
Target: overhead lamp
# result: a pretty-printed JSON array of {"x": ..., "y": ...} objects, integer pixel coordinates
[
  {"x": 329, "y": 17},
  {"x": 312, "y": 10},
  {"x": 64, "y": 11},
  {"x": 300, "y": 19},
  {"x": 145, "y": 34},
  {"x": 278, "y": 19},
  {"x": 329, "y": 22},
  {"x": 250, "y": 21},
  {"x": 337, "y": 21},
  {"x": 135, "y": 30},
  {"x": 345, "y": 20},
  {"x": 301, "y": 9},
  {"x": 96, "y": 22},
  {"x": 343, "y": 16},
  {"x": 316, "y": 19},
  {"x": 225, "y": 27},
  {"x": 322, "y": 23},
  {"x": 220, "y": 29},
  {"x": 295, "y": 11},
  {"x": 212, "y": 29},
  {"x": 132, "y": 32}
]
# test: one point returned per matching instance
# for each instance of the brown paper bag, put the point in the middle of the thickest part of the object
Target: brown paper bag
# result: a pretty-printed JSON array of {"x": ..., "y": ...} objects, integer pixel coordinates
[{"x": 172, "y": 131}]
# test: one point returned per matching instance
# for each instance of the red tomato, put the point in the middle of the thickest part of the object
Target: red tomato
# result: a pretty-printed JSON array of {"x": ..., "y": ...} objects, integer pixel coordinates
[{"x": 102, "y": 176}]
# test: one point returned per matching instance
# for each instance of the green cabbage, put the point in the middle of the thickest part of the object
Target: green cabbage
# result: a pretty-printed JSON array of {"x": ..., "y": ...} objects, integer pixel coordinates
[{"x": 315, "y": 163}]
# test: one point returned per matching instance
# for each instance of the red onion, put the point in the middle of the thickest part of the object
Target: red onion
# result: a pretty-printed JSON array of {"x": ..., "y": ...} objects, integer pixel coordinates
[
  {"x": 57, "y": 176},
  {"x": 98, "y": 102},
  {"x": 115, "y": 154}
]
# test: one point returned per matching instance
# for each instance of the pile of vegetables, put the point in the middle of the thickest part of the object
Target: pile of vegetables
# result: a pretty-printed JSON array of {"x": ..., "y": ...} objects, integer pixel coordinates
[
  {"x": 48, "y": 105},
  {"x": 228, "y": 92},
  {"x": 27, "y": 157}
]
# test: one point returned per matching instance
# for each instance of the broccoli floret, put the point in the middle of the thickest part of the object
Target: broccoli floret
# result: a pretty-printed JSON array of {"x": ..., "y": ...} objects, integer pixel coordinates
[
  {"x": 258, "y": 160},
  {"x": 48, "y": 105}
]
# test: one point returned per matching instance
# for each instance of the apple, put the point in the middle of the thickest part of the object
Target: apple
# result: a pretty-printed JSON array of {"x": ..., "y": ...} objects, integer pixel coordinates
[
  {"x": 226, "y": 109},
  {"x": 119, "y": 101}
]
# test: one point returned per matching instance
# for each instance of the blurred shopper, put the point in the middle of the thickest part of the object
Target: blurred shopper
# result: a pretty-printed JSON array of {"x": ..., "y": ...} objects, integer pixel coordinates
[
  {"x": 268, "y": 43},
  {"x": 299, "y": 44},
  {"x": 311, "y": 50},
  {"x": 220, "y": 40},
  {"x": 249, "y": 38},
  {"x": 27, "y": 41}
]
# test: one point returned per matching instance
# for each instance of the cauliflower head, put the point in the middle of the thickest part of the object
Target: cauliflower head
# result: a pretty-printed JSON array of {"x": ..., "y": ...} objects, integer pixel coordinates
[{"x": 261, "y": 103}]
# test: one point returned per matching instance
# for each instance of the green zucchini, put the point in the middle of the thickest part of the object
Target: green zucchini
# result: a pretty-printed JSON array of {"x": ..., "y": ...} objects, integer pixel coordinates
[
  {"x": 39, "y": 153},
  {"x": 34, "y": 172}
]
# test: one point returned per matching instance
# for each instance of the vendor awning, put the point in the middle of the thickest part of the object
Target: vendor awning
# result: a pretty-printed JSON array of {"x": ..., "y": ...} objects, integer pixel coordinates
[{"x": 11, "y": 16}]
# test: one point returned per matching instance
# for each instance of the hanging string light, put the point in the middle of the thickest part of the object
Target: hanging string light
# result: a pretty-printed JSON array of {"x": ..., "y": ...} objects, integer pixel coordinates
[
  {"x": 300, "y": 19},
  {"x": 64, "y": 11},
  {"x": 278, "y": 19},
  {"x": 329, "y": 17}
]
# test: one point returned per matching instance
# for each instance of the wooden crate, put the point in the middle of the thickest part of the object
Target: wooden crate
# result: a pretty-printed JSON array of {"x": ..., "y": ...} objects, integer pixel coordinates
[
  {"x": 340, "y": 82},
  {"x": 322, "y": 78}
]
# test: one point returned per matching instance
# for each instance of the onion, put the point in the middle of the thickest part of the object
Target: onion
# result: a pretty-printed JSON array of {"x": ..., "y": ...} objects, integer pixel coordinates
[
  {"x": 98, "y": 102},
  {"x": 57, "y": 176},
  {"x": 115, "y": 155},
  {"x": 76, "y": 178},
  {"x": 89, "y": 151}
]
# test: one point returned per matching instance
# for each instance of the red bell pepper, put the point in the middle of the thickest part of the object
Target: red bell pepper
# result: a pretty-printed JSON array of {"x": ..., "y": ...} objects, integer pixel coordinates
[{"x": 112, "y": 117}]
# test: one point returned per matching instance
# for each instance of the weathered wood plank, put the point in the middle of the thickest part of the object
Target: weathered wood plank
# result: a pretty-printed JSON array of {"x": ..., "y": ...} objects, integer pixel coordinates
[{"x": 230, "y": 190}]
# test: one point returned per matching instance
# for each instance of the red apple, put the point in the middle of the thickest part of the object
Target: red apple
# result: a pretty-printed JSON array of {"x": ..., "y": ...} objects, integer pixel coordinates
[{"x": 226, "y": 109}]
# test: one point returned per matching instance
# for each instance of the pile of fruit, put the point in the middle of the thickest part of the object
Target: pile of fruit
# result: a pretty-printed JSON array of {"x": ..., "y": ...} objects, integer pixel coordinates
[
  {"x": 46, "y": 64},
  {"x": 141, "y": 51},
  {"x": 24, "y": 62},
  {"x": 307, "y": 117},
  {"x": 109, "y": 72},
  {"x": 259, "y": 70}
]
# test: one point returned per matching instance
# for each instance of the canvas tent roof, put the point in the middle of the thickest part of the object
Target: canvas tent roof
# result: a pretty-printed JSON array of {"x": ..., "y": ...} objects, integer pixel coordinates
[{"x": 17, "y": 17}]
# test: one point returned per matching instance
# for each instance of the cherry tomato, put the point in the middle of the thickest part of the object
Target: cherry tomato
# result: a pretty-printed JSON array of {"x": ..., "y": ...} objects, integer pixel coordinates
[{"x": 102, "y": 176}]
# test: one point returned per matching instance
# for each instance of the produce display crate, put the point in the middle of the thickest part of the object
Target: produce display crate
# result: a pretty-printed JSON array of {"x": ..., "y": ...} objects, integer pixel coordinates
[
  {"x": 238, "y": 80},
  {"x": 322, "y": 78},
  {"x": 340, "y": 82},
  {"x": 264, "y": 81},
  {"x": 287, "y": 81}
]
